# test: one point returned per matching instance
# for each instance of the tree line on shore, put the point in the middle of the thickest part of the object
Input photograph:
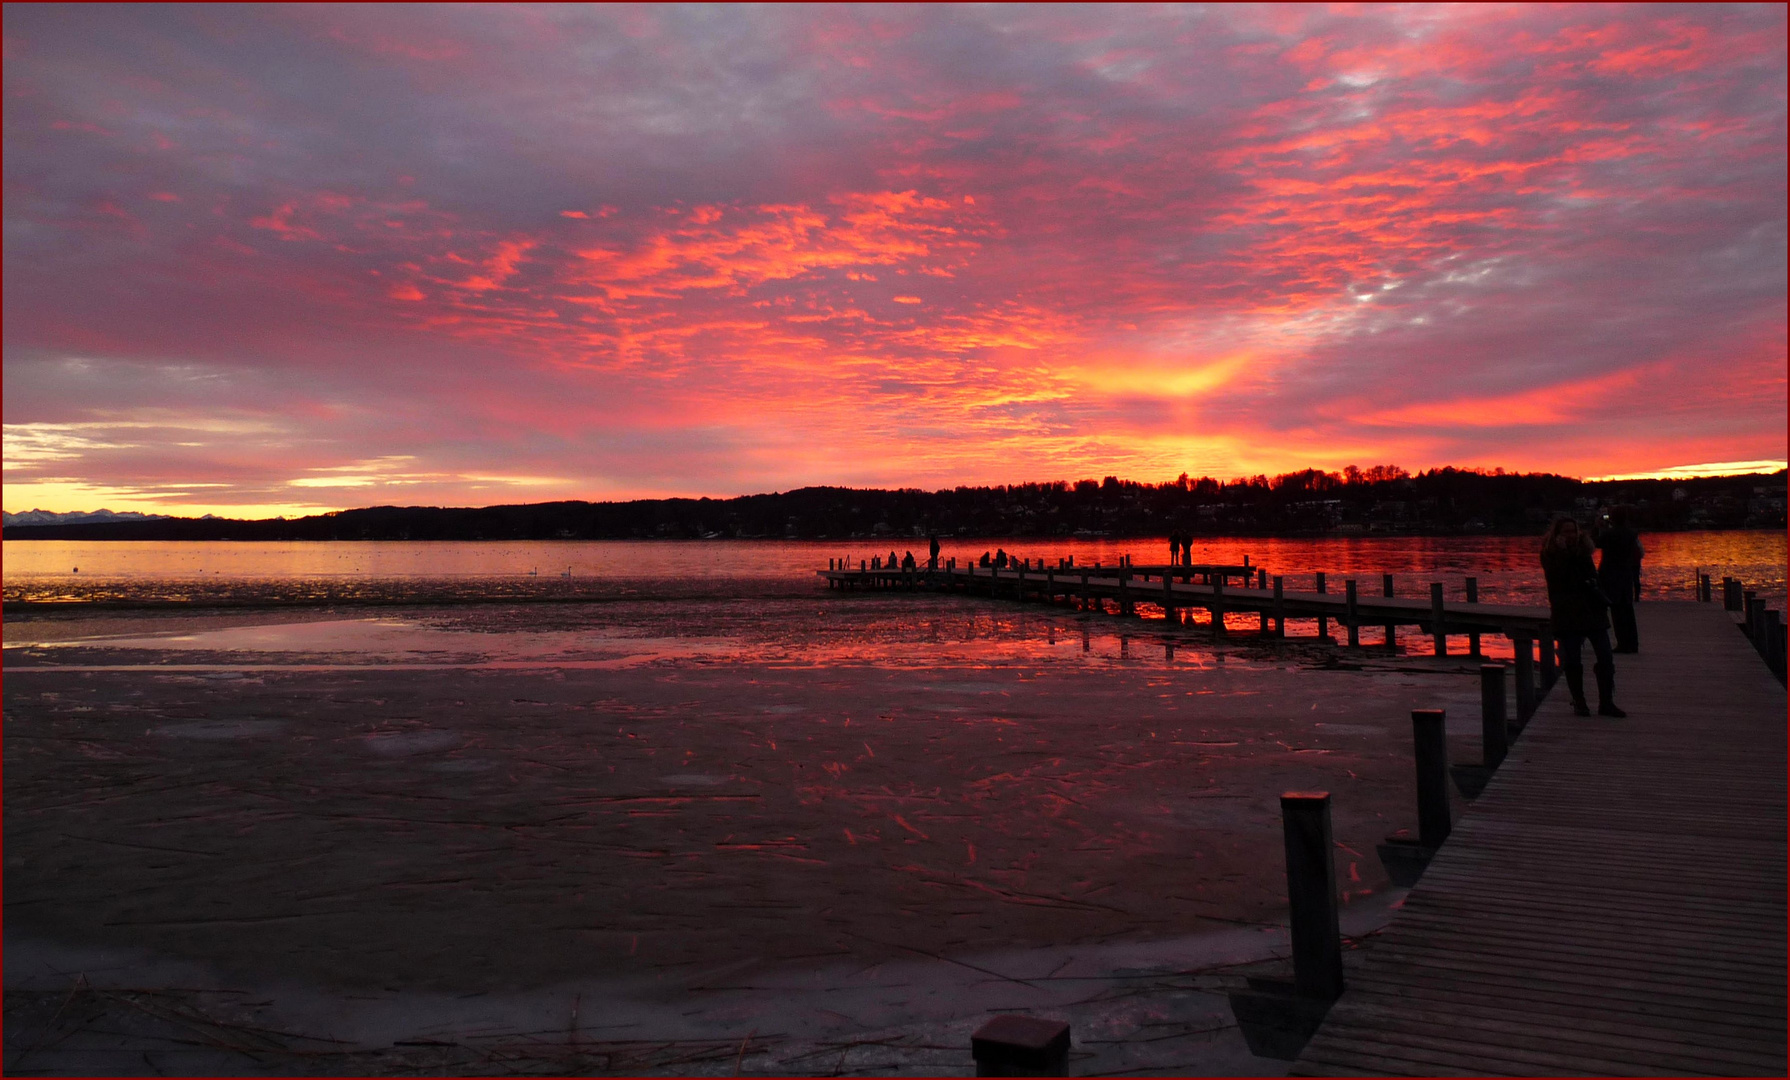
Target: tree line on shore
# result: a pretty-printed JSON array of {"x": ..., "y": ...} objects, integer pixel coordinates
[{"x": 1384, "y": 498}]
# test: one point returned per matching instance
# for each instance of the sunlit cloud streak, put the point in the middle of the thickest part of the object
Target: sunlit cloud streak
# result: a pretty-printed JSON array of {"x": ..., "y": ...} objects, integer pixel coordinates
[{"x": 303, "y": 257}]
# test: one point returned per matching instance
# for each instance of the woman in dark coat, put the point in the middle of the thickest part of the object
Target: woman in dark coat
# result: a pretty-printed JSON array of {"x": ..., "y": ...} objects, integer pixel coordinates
[{"x": 1580, "y": 613}]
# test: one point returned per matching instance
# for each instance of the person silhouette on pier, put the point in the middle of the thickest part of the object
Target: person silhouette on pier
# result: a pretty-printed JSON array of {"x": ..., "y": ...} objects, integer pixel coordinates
[
  {"x": 987, "y": 560},
  {"x": 932, "y": 563},
  {"x": 1186, "y": 550},
  {"x": 1619, "y": 572},
  {"x": 1000, "y": 558},
  {"x": 894, "y": 559},
  {"x": 1174, "y": 548},
  {"x": 1580, "y": 612},
  {"x": 908, "y": 563}
]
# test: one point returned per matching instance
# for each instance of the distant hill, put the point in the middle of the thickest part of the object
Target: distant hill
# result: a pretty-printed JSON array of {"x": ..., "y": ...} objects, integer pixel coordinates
[
  {"x": 1384, "y": 499},
  {"x": 77, "y": 517}
]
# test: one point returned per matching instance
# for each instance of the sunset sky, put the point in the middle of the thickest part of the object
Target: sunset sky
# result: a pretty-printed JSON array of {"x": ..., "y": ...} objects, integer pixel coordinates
[{"x": 274, "y": 260}]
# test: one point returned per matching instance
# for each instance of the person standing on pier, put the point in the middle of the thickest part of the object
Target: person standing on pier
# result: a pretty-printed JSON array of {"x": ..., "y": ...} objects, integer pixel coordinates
[
  {"x": 932, "y": 563},
  {"x": 1174, "y": 548},
  {"x": 1580, "y": 612},
  {"x": 1619, "y": 572}
]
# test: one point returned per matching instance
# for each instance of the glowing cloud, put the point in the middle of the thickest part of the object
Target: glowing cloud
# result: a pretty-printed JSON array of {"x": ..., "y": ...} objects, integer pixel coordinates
[{"x": 475, "y": 253}]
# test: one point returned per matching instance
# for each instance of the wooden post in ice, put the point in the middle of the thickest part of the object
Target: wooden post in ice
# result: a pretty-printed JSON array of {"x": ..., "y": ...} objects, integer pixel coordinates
[
  {"x": 1438, "y": 631},
  {"x": 1323, "y": 620},
  {"x": 1311, "y": 895},
  {"x": 1430, "y": 736},
  {"x": 1494, "y": 723},
  {"x": 1391, "y": 628},
  {"x": 1351, "y": 613},
  {"x": 1473, "y": 598},
  {"x": 1525, "y": 670},
  {"x": 1015, "y": 1045}
]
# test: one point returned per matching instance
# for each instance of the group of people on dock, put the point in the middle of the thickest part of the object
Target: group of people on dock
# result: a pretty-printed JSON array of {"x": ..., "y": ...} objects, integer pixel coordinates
[{"x": 1585, "y": 598}]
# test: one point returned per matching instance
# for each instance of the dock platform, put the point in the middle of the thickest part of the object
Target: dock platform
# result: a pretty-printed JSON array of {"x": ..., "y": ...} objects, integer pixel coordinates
[
  {"x": 1177, "y": 589},
  {"x": 1613, "y": 903}
]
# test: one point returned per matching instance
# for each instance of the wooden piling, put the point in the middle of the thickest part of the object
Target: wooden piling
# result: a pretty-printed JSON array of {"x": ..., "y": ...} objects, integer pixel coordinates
[
  {"x": 1323, "y": 620},
  {"x": 1217, "y": 608},
  {"x": 1391, "y": 628},
  {"x": 1438, "y": 629},
  {"x": 1014, "y": 1045},
  {"x": 1280, "y": 609},
  {"x": 1311, "y": 895},
  {"x": 1494, "y": 722},
  {"x": 1525, "y": 674},
  {"x": 1350, "y": 608},
  {"x": 1429, "y": 733},
  {"x": 1473, "y": 598}
]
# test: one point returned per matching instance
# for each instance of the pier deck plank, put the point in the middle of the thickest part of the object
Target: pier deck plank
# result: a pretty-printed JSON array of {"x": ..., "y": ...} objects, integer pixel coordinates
[{"x": 1614, "y": 902}]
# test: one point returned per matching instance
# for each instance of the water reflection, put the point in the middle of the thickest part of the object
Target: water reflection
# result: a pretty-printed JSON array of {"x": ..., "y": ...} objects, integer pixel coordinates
[{"x": 1505, "y": 566}]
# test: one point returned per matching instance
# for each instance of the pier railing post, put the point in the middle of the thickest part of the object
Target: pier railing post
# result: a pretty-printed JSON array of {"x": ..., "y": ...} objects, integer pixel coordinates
[
  {"x": 1703, "y": 588},
  {"x": 1749, "y": 606},
  {"x": 1352, "y": 615},
  {"x": 1217, "y": 608},
  {"x": 1323, "y": 620},
  {"x": 1473, "y": 598},
  {"x": 1168, "y": 597},
  {"x": 1311, "y": 895},
  {"x": 1494, "y": 722},
  {"x": 1730, "y": 594},
  {"x": 1084, "y": 590},
  {"x": 1525, "y": 672},
  {"x": 1280, "y": 609},
  {"x": 1391, "y": 628},
  {"x": 1430, "y": 736},
  {"x": 1438, "y": 630}
]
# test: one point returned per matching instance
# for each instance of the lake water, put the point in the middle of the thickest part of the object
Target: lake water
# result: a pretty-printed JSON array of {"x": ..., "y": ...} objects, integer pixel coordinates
[{"x": 443, "y": 571}]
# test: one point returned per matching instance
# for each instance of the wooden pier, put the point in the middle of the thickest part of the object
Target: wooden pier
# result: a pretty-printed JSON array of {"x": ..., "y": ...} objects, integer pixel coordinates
[
  {"x": 1176, "y": 590},
  {"x": 1613, "y": 903}
]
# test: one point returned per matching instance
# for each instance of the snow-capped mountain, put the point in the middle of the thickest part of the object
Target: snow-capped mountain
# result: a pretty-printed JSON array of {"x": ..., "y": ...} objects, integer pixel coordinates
[{"x": 75, "y": 517}]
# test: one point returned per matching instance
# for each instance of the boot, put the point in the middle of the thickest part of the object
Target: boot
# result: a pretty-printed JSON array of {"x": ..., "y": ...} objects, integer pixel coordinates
[
  {"x": 1606, "y": 691},
  {"x": 1575, "y": 685}
]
